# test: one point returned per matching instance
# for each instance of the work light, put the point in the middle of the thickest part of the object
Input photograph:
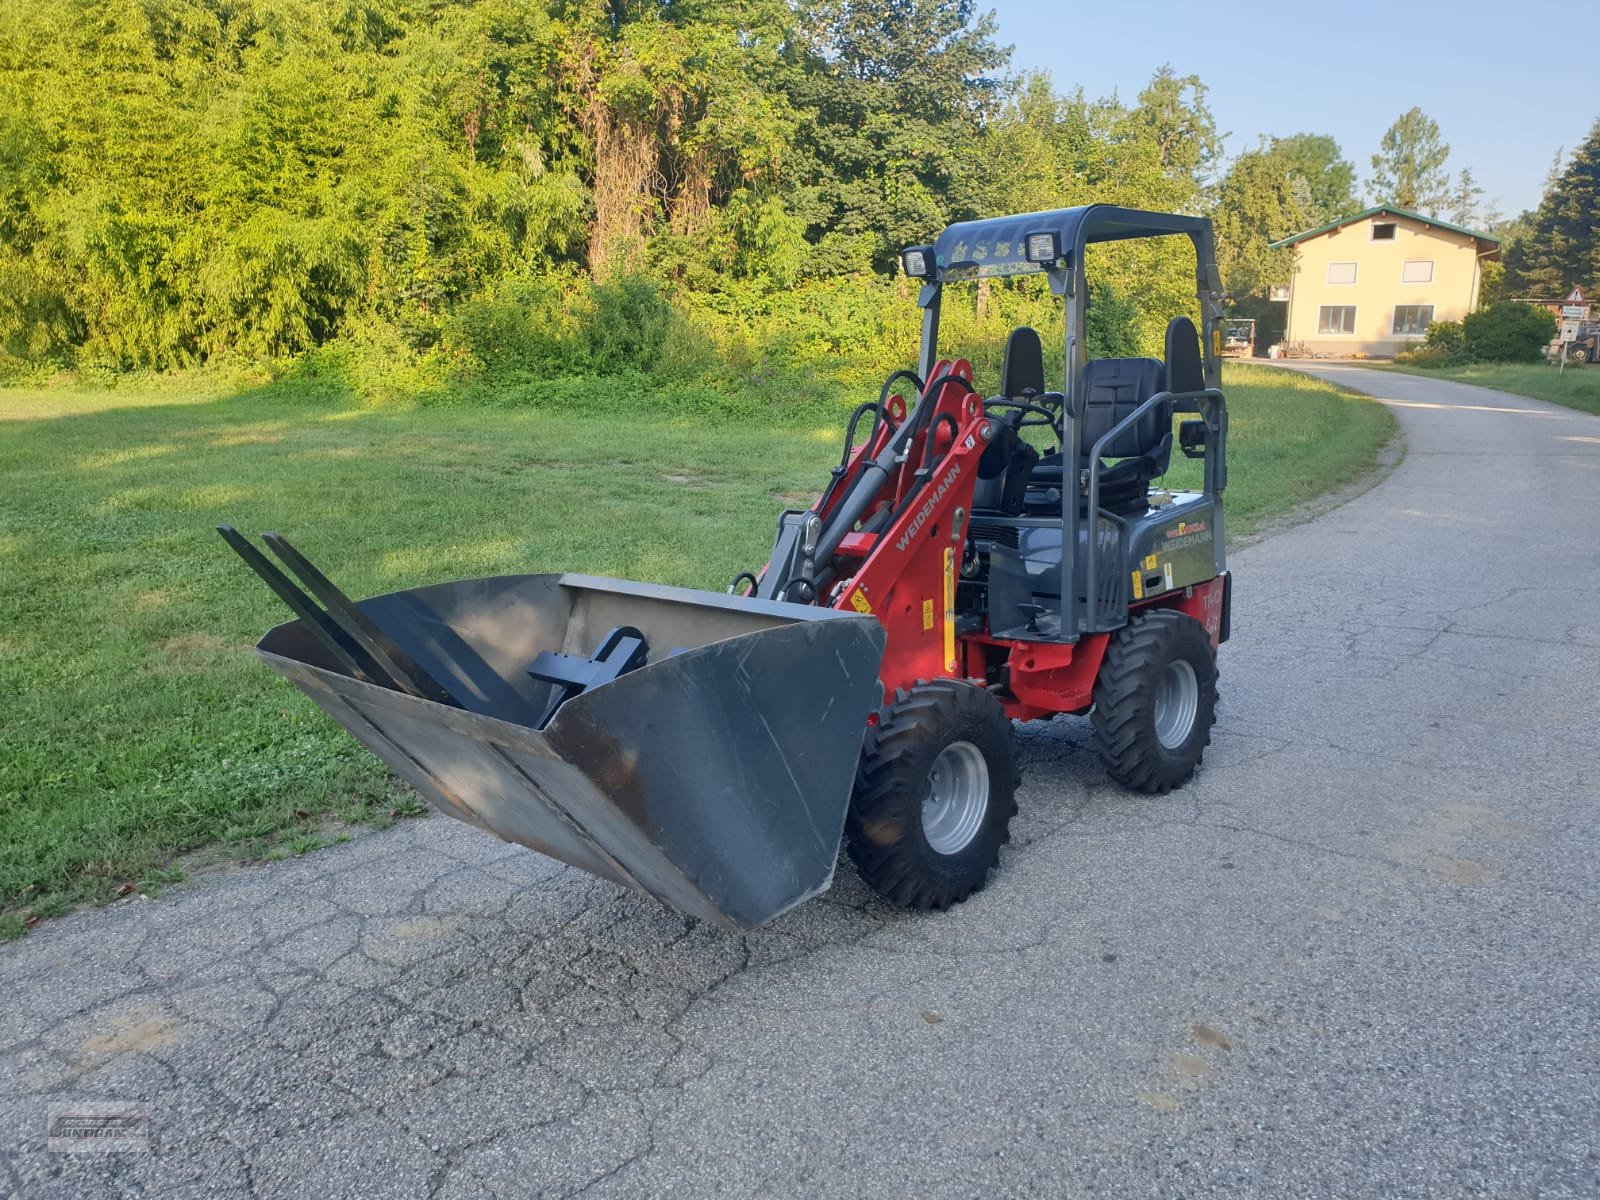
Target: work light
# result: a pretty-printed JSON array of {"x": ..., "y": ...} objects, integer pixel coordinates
[
  {"x": 1043, "y": 248},
  {"x": 917, "y": 261}
]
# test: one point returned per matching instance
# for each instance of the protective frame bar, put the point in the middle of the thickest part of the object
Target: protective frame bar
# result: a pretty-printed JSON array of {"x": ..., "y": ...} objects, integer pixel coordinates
[
  {"x": 1077, "y": 229},
  {"x": 1210, "y": 406}
]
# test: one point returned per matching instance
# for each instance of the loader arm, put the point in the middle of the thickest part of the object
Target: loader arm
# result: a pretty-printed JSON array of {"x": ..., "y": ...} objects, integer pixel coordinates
[{"x": 886, "y": 539}]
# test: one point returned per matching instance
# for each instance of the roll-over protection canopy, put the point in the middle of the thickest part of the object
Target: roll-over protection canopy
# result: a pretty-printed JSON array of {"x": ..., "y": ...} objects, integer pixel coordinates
[{"x": 998, "y": 246}]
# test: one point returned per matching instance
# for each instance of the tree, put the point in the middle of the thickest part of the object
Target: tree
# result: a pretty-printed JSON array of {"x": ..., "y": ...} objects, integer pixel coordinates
[
  {"x": 1408, "y": 170},
  {"x": 1330, "y": 181},
  {"x": 1261, "y": 199},
  {"x": 1561, "y": 244},
  {"x": 895, "y": 98},
  {"x": 1173, "y": 112},
  {"x": 1466, "y": 203}
]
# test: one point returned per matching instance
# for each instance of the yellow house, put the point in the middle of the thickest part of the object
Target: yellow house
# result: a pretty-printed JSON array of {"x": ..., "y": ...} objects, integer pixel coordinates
[{"x": 1370, "y": 284}]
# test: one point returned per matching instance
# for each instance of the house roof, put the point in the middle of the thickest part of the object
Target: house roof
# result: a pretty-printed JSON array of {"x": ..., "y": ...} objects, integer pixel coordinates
[{"x": 1388, "y": 210}]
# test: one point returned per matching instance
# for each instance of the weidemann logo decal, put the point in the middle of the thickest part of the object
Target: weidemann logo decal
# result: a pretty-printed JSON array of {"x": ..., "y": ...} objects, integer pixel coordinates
[{"x": 928, "y": 507}]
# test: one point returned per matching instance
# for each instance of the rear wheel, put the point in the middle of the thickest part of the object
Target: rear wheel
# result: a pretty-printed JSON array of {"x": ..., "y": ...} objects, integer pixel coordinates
[
  {"x": 935, "y": 794},
  {"x": 1577, "y": 353},
  {"x": 1155, "y": 701}
]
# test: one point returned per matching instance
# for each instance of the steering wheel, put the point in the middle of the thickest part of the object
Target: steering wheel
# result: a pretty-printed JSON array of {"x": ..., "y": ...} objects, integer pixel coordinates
[{"x": 1032, "y": 414}]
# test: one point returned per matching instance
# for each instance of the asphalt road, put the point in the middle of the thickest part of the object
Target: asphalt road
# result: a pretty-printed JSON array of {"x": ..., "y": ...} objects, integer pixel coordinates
[{"x": 1356, "y": 957}]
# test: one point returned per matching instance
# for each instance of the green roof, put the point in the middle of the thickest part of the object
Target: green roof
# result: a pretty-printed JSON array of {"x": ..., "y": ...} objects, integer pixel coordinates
[{"x": 1389, "y": 210}]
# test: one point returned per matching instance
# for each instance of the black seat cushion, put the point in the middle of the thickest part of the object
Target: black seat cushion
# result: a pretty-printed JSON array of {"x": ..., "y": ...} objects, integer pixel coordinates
[
  {"x": 1112, "y": 389},
  {"x": 1005, "y": 468}
]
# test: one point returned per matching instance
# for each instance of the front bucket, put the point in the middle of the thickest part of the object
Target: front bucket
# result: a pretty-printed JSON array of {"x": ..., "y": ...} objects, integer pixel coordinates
[{"x": 714, "y": 778}]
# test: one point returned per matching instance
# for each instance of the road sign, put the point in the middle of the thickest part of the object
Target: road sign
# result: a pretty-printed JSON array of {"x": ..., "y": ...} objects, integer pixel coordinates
[
  {"x": 1569, "y": 331},
  {"x": 1575, "y": 296},
  {"x": 1575, "y": 312}
]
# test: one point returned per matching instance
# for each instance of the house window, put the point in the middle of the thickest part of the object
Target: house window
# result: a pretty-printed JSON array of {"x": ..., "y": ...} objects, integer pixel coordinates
[
  {"x": 1383, "y": 231},
  {"x": 1337, "y": 318},
  {"x": 1341, "y": 272},
  {"x": 1417, "y": 271},
  {"x": 1412, "y": 319}
]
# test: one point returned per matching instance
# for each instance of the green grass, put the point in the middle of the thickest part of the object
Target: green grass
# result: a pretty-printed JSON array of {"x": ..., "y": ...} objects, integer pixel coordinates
[
  {"x": 138, "y": 727},
  {"x": 1573, "y": 386}
]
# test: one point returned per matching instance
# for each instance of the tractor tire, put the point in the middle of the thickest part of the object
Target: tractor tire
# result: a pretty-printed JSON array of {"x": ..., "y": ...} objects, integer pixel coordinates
[
  {"x": 1155, "y": 701},
  {"x": 934, "y": 797}
]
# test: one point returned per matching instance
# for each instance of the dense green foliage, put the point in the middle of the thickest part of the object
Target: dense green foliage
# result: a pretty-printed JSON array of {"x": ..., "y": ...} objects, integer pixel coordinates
[
  {"x": 1507, "y": 332},
  {"x": 1559, "y": 247},
  {"x": 428, "y": 193},
  {"x": 1503, "y": 332},
  {"x": 446, "y": 197},
  {"x": 1324, "y": 182}
]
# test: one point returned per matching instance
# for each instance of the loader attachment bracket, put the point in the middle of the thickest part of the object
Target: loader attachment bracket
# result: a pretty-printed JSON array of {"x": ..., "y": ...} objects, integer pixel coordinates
[{"x": 622, "y": 650}]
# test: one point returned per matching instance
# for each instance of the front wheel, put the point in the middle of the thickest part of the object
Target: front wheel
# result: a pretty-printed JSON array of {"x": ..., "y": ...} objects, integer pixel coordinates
[
  {"x": 935, "y": 794},
  {"x": 1155, "y": 700}
]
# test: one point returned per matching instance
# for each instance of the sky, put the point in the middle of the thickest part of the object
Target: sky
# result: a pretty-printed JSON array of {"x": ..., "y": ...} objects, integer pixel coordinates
[{"x": 1509, "y": 84}]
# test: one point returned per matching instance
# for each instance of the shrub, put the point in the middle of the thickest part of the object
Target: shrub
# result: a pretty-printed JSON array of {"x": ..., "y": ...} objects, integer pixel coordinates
[
  {"x": 1447, "y": 337},
  {"x": 1508, "y": 332},
  {"x": 1445, "y": 346},
  {"x": 628, "y": 326}
]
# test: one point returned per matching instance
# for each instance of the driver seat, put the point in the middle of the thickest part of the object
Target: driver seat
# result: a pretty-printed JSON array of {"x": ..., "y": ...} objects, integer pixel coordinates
[
  {"x": 1112, "y": 389},
  {"x": 1007, "y": 464}
]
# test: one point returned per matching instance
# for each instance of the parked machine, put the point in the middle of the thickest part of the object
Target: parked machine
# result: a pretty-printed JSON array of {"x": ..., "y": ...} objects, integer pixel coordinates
[
  {"x": 1239, "y": 338},
  {"x": 1585, "y": 348},
  {"x": 973, "y": 560}
]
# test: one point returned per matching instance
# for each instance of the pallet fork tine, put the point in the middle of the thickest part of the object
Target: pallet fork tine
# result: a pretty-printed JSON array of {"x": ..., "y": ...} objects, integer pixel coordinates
[
  {"x": 355, "y": 624},
  {"x": 345, "y": 651}
]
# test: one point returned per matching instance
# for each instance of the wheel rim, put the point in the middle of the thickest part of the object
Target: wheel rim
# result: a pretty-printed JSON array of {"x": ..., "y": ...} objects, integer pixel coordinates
[
  {"x": 1177, "y": 702},
  {"x": 958, "y": 797}
]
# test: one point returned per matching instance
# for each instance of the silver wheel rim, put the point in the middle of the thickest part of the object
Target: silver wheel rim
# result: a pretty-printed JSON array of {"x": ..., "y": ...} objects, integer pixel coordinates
[
  {"x": 1177, "y": 702},
  {"x": 958, "y": 796}
]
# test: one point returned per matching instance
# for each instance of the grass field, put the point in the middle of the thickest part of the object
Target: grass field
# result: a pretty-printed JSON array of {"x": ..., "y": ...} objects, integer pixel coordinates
[
  {"x": 139, "y": 729},
  {"x": 1576, "y": 387}
]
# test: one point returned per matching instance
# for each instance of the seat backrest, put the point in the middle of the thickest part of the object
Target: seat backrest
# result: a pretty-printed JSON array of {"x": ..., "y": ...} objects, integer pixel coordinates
[
  {"x": 1186, "y": 370},
  {"x": 1023, "y": 368},
  {"x": 1112, "y": 389}
]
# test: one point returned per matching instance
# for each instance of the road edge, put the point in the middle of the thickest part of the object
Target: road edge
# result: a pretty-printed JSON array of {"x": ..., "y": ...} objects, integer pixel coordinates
[{"x": 1389, "y": 456}]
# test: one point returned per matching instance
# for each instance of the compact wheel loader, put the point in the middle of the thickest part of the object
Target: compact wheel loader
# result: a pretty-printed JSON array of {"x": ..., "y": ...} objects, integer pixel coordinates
[{"x": 974, "y": 560}]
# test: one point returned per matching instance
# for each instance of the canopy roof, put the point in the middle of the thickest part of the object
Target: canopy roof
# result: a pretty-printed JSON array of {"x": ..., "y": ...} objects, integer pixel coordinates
[{"x": 998, "y": 245}]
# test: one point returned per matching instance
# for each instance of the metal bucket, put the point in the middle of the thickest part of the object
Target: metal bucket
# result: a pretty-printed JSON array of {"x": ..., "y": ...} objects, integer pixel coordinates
[{"x": 714, "y": 778}]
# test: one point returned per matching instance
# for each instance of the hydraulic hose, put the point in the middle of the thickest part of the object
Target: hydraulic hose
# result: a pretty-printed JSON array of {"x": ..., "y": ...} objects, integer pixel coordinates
[
  {"x": 876, "y": 472},
  {"x": 880, "y": 417}
]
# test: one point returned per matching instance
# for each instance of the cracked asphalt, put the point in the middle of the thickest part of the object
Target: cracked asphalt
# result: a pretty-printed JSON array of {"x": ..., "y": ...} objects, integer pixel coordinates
[{"x": 1357, "y": 956}]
